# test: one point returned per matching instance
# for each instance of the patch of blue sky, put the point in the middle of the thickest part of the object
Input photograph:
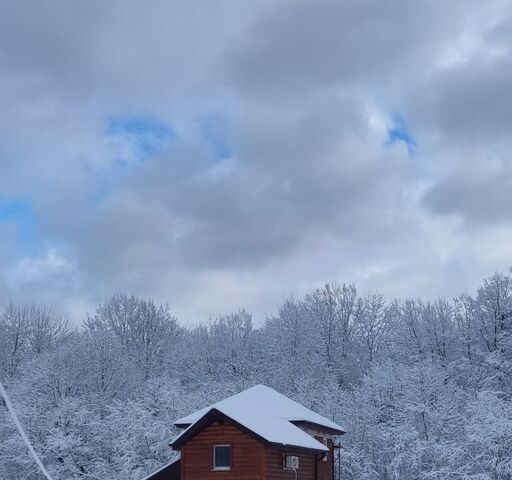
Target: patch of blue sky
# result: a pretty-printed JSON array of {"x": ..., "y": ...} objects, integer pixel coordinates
[
  {"x": 215, "y": 133},
  {"x": 21, "y": 213},
  {"x": 148, "y": 134},
  {"x": 399, "y": 132}
]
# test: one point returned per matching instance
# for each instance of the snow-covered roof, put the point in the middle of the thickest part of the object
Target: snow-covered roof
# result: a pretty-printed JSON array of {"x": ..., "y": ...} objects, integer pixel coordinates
[{"x": 269, "y": 415}]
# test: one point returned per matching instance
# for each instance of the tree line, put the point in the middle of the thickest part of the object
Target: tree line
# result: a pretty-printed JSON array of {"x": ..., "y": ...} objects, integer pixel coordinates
[{"x": 423, "y": 388}]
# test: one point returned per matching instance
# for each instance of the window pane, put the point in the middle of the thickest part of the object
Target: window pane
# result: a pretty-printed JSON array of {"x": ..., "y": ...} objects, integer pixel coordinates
[{"x": 222, "y": 456}]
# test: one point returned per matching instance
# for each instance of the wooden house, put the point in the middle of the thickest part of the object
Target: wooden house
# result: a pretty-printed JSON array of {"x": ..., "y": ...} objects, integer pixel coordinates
[{"x": 257, "y": 434}]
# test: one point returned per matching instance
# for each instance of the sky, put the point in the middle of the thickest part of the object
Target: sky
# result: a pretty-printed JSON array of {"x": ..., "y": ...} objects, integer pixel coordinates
[{"x": 215, "y": 155}]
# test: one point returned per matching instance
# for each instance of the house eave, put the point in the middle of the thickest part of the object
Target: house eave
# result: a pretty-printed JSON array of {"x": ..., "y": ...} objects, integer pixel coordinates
[
  {"x": 214, "y": 414},
  {"x": 207, "y": 420},
  {"x": 318, "y": 426}
]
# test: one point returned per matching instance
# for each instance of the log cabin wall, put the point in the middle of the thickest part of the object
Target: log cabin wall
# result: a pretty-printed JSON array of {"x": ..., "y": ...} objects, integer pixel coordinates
[
  {"x": 275, "y": 471},
  {"x": 326, "y": 467},
  {"x": 250, "y": 459},
  {"x": 247, "y": 455}
]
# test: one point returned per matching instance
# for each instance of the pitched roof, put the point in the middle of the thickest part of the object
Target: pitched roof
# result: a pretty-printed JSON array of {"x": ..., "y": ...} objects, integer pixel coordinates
[
  {"x": 167, "y": 472},
  {"x": 269, "y": 415}
]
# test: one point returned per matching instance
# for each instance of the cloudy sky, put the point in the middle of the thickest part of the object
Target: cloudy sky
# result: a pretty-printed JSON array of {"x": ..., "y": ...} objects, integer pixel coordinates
[{"x": 219, "y": 154}]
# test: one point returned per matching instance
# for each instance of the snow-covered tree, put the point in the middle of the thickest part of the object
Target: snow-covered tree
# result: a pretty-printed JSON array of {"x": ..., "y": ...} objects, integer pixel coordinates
[
  {"x": 145, "y": 330},
  {"x": 424, "y": 388}
]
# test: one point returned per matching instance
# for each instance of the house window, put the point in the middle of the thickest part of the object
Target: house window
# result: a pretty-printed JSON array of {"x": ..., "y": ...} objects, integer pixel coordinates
[{"x": 222, "y": 457}]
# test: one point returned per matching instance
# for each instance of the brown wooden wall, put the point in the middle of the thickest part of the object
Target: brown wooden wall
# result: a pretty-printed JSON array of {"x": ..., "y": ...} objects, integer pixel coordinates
[
  {"x": 251, "y": 460},
  {"x": 274, "y": 466},
  {"x": 326, "y": 468},
  {"x": 247, "y": 455},
  {"x": 307, "y": 464}
]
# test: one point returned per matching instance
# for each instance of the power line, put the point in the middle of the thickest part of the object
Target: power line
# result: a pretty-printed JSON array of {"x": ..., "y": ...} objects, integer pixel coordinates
[{"x": 22, "y": 433}]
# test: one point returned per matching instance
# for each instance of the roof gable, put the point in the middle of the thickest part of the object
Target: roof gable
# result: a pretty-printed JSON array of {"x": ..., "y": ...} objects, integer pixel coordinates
[
  {"x": 208, "y": 419},
  {"x": 267, "y": 414}
]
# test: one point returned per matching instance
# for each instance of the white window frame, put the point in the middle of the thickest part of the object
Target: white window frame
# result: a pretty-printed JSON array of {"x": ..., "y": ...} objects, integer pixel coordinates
[{"x": 222, "y": 469}]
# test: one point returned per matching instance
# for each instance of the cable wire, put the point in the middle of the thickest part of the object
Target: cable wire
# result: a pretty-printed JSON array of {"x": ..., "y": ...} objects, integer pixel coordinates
[{"x": 22, "y": 433}]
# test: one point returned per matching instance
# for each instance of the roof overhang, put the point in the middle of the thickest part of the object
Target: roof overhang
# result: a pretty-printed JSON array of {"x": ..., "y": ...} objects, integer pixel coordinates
[
  {"x": 214, "y": 415},
  {"x": 317, "y": 426},
  {"x": 182, "y": 425},
  {"x": 206, "y": 420}
]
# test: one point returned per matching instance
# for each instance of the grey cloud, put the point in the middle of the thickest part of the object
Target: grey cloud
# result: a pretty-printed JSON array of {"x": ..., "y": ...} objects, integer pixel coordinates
[
  {"x": 306, "y": 179},
  {"x": 299, "y": 48},
  {"x": 467, "y": 100},
  {"x": 475, "y": 101},
  {"x": 467, "y": 104},
  {"x": 479, "y": 193},
  {"x": 119, "y": 52},
  {"x": 469, "y": 107}
]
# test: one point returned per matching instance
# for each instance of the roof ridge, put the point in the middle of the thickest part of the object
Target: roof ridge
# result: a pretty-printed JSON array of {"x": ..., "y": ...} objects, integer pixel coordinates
[{"x": 268, "y": 414}]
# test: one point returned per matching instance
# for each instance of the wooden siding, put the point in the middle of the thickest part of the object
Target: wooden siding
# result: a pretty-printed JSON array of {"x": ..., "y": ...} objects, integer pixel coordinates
[
  {"x": 308, "y": 463},
  {"x": 247, "y": 455},
  {"x": 274, "y": 466},
  {"x": 326, "y": 468},
  {"x": 250, "y": 459}
]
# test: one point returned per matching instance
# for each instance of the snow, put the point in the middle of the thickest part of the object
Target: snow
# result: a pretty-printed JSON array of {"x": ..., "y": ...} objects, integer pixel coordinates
[
  {"x": 14, "y": 417},
  {"x": 268, "y": 414}
]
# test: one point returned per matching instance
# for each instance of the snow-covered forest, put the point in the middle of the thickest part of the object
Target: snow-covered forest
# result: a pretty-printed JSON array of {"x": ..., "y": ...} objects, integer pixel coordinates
[{"x": 424, "y": 389}]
